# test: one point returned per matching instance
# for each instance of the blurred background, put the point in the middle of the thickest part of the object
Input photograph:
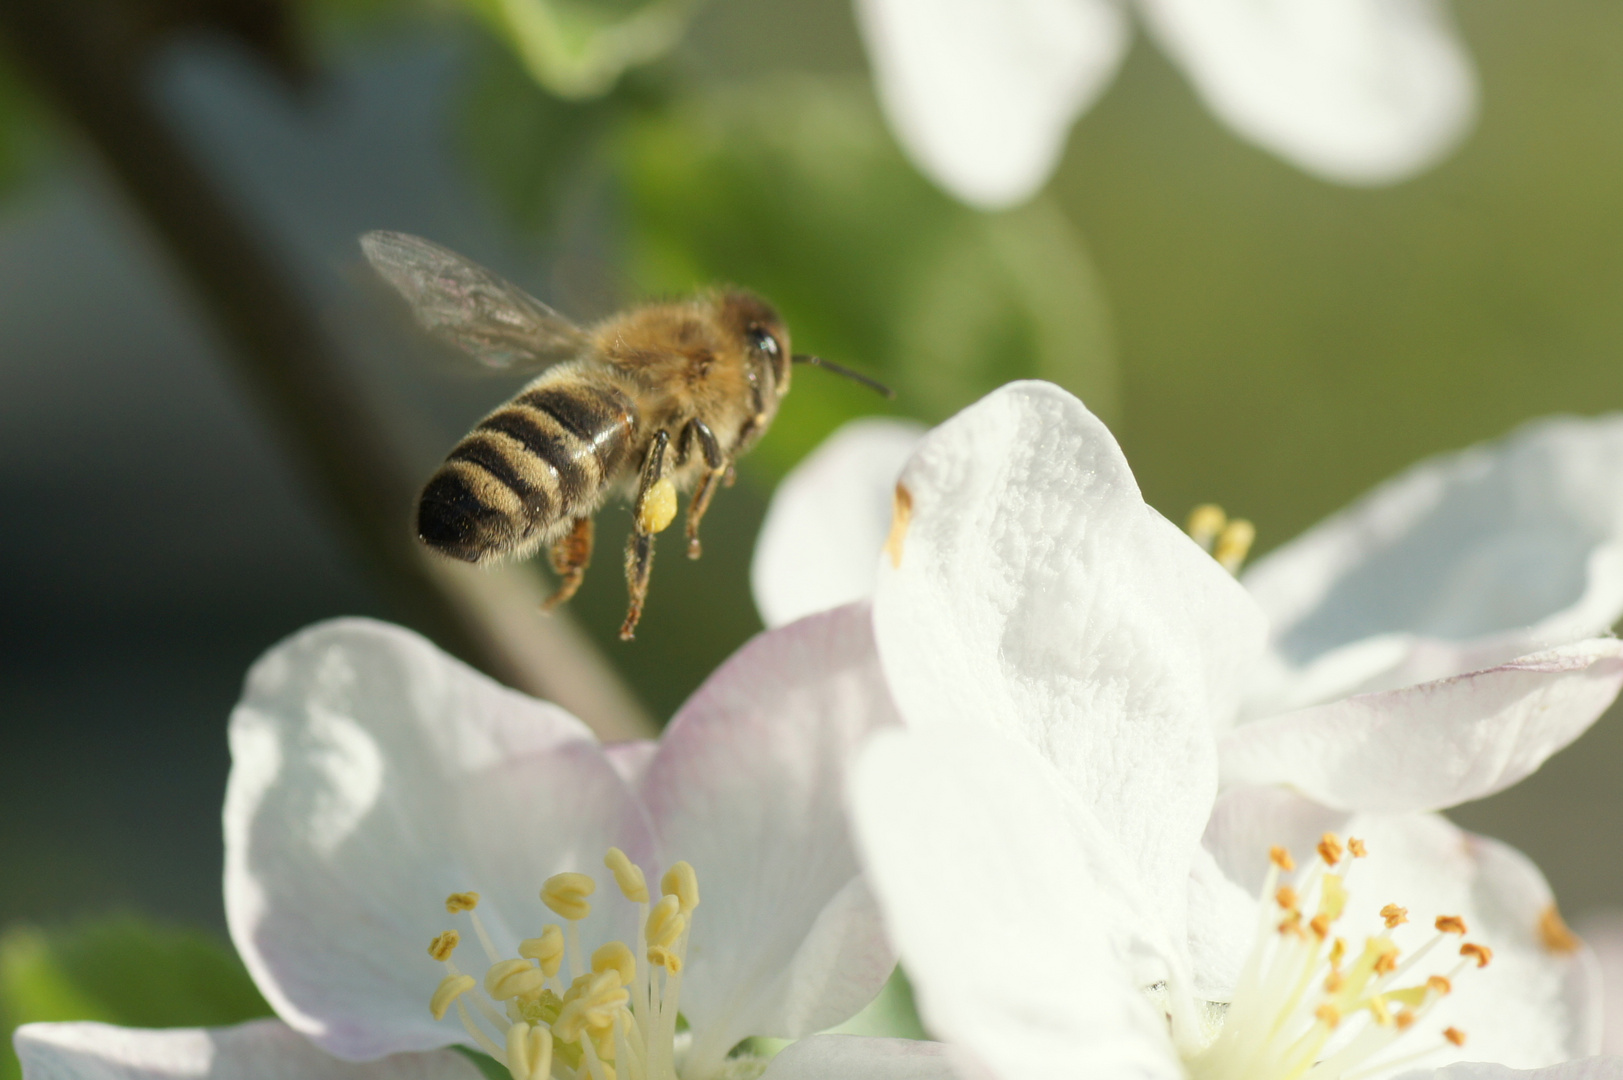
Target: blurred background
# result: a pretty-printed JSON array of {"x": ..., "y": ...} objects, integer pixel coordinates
[{"x": 181, "y": 292}]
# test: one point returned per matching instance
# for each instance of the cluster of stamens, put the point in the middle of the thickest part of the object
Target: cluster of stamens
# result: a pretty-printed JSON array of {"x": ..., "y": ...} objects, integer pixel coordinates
[
  {"x": 1226, "y": 540},
  {"x": 616, "y": 1017},
  {"x": 1306, "y": 1006}
]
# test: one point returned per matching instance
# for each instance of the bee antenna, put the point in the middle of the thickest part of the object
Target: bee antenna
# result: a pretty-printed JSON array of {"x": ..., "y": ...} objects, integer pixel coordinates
[{"x": 840, "y": 369}]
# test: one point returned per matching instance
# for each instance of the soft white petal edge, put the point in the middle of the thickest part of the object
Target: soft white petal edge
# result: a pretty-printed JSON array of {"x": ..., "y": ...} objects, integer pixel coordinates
[
  {"x": 1594, "y": 1068},
  {"x": 1037, "y": 594},
  {"x": 372, "y": 775},
  {"x": 859, "y": 1057},
  {"x": 1602, "y": 931},
  {"x": 1016, "y": 919},
  {"x": 261, "y": 1050},
  {"x": 1434, "y": 745},
  {"x": 1355, "y": 91},
  {"x": 819, "y": 545},
  {"x": 750, "y": 786},
  {"x": 982, "y": 95}
]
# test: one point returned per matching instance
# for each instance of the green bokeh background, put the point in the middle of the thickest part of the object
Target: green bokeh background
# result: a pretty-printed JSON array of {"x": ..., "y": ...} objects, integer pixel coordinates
[{"x": 1256, "y": 337}]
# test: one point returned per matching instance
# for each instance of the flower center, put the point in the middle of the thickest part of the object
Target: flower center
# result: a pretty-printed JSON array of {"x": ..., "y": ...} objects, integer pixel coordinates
[
  {"x": 1307, "y": 1007},
  {"x": 616, "y": 1018}
]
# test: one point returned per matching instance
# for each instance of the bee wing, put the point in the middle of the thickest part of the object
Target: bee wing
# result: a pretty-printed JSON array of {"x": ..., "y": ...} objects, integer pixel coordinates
[{"x": 460, "y": 302}]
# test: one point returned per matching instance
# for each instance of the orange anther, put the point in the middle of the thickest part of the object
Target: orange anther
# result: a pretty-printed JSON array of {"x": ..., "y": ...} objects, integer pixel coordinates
[
  {"x": 1281, "y": 858},
  {"x": 1330, "y": 849},
  {"x": 1454, "y": 1035},
  {"x": 1286, "y": 897},
  {"x": 1481, "y": 953},
  {"x": 1451, "y": 924},
  {"x": 1356, "y": 846},
  {"x": 1394, "y": 915}
]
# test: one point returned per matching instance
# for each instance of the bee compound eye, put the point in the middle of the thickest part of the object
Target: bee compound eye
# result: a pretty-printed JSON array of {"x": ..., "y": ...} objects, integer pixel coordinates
[{"x": 764, "y": 341}]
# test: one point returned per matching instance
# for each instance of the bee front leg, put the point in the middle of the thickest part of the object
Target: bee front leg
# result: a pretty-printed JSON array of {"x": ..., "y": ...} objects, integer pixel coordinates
[
  {"x": 653, "y": 510},
  {"x": 570, "y": 555},
  {"x": 717, "y": 467}
]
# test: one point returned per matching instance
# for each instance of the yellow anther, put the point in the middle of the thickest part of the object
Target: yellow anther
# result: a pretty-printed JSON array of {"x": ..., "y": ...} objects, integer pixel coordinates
[
  {"x": 566, "y": 894},
  {"x": 1394, "y": 916},
  {"x": 1338, "y": 950},
  {"x": 1330, "y": 849},
  {"x": 591, "y": 1002},
  {"x": 1333, "y": 982},
  {"x": 1356, "y": 847},
  {"x": 461, "y": 901},
  {"x": 512, "y": 978},
  {"x": 1320, "y": 925},
  {"x": 1234, "y": 544},
  {"x": 1205, "y": 522},
  {"x": 627, "y": 875},
  {"x": 901, "y": 514},
  {"x": 1332, "y": 897},
  {"x": 1439, "y": 985},
  {"x": 1387, "y": 961},
  {"x": 1292, "y": 924},
  {"x": 681, "y": 882},
  {"x": 529, "y": 1051},
  {"x": 658, "y": 507},
  {"x": 1286, "y": 897},
  {"x": 1451, "y": 924},
  {"x": 450, "y": 988},
  {"x": 665, "y": 922},
  {"x": 1281, "y": 858},
  {"x": 1454, "y": 1035},
  {"x": 1480, "y": 953},
  {"x": 618, "y": 956},
  {"x": 1328, "y": 1015},
  {"x": 659, "y": 956},
  {"x": 1405, "y": 1020},
  {"x": 1554, "y": 933},
  {"x": 1378, "y": 1009},
  {"x": 443, "y": 946},
  {"x": 547, "y": 950}
]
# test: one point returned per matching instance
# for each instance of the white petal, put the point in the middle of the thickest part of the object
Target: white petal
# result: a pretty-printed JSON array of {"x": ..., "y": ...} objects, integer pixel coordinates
[
  {"x": 982, "y": 93},
  {"x": 1461, "y": 562},
  {"x": 1603, "y": 933},
  {"x": 1010, "y": 906},
  {"x": 750, "y": 787},
  {"x": 819, "y": 545},
  {"x": 1037, "y": 594},
  {"x": 1533, "y": 1005},
  {"x": 1607, "y": 1068},
  {"x": 262, "y": 1050},
  {"x": 858, "y": 1057},
  {"x": 372, "y": 776},
  {"x": 1222, "y": 928},
  {"x": 1434, "y": 745},
  {"x": 1356, "y": 91}
]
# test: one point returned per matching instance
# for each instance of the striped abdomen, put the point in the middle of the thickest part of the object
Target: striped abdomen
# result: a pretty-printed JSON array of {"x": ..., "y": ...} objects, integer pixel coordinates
[{"x": 541, "y": 459}]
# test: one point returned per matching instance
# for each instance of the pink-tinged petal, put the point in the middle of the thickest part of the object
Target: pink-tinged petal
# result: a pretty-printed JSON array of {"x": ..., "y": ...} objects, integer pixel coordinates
[
  {"x": 1537, "y": 1002},
  {"x": 859, "y": 1057},
  {"x": 1434, "y": 745},
  {"x": 1032, "y": 591},
  {"x": 632, "y": 758},
  {"x": 983, "y": 94},
  {"x": 1459, "y": 563},
  {"x": 372, "y": 776},
  {"x": 1355, "y": 91},
  {"x": 1595, "y": 1068},
  {"x": 1602, "y": 931},
  {"x": 819, "y": 545},
  {"x": 1021, "y": 925},
  {"x": 749, "y": 786},
  {"x": 262, "y": 1050}
]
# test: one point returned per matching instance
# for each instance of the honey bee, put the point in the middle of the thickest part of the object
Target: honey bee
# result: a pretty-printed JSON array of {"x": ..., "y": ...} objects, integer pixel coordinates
[{"x": 652, "y": 401}]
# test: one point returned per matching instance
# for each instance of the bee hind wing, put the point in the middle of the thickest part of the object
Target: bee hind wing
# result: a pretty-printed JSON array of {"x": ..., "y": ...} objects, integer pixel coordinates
[{"x": 494, "y": 321}]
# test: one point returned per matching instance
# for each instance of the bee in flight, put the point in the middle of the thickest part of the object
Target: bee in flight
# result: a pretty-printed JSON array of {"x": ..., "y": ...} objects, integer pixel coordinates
[{"x": 652, "y": 401}]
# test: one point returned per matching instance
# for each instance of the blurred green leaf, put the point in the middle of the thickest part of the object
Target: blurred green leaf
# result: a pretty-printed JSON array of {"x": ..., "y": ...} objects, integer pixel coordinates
[
  {"x": 580, "y": 48},
  {"x": 24, "y": 131},
  {"x": 120, "y": 970},
  {"x": 793, "y": 187},
  {"x": 892, "y": 1014}
]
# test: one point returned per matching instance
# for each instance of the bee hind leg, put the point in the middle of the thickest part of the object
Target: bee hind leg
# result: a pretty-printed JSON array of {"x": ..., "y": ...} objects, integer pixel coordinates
[
  {"x": 717, "y": 467},
  {"x": 652, "y": 512},
  {"x": 570, "y": 555}
]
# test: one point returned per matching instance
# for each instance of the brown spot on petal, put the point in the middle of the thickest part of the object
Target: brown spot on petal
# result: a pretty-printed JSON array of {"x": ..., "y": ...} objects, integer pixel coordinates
[
  {"x": 901, "y": 516},
  {"x": 1554, "y": 933}
]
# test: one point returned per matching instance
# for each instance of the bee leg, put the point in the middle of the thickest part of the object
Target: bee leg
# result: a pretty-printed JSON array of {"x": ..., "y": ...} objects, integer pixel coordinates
[
  {"x": 652, "y": 512},
  {"x": 717, "y": 467},
  {"x": 570, "y": 555}
]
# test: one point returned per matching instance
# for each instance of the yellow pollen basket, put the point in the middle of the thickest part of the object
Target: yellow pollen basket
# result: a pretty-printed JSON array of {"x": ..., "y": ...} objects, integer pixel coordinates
[
  {"x": 616, "y": 1018},
  {"x": 1307, "y": 1007}
]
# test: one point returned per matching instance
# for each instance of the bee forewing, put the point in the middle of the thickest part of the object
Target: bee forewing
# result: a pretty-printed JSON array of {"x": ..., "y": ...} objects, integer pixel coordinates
[{"x": 459, "y": 301}]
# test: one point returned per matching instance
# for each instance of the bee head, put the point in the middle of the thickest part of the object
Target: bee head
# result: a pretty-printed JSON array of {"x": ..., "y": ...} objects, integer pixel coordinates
[{"x": 764, "y": 339}]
